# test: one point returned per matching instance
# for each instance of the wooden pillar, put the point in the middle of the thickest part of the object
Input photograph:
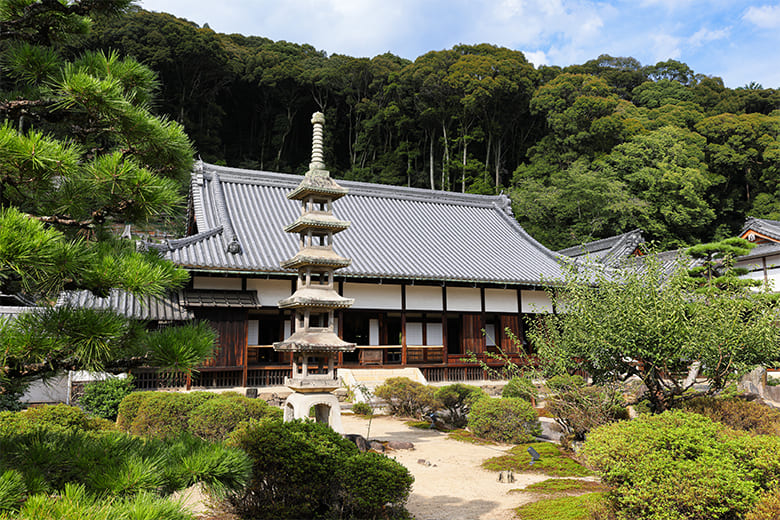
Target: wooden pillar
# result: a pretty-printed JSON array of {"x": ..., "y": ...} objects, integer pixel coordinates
[
  {"x": 403, "y": 325},
  {"x": 445, "y": 340},
  {"x": 245, "y": 371},
  {"x": 482, "y": 320},
  {"x": 341, "y": 325}
]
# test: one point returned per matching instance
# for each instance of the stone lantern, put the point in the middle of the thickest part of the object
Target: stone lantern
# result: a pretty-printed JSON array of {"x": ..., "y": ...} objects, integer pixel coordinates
[{"x": 314, "y": 343}]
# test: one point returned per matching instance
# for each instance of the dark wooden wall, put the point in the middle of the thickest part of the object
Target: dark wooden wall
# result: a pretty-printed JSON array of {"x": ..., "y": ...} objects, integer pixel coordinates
[
  {"x": 511, "y": 322},
  {"x": 473, "y": 339},
  {"x": 231, "y": 324}
]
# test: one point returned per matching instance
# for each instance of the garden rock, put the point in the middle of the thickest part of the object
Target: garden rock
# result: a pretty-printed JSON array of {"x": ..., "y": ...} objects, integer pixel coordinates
[
  {"x": 358, "y": 440},
  {"x": 400, "y": 445}
]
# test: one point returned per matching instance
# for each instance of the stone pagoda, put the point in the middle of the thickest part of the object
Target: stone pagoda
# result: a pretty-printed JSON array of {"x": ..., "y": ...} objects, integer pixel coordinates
[{"x": 314, "y": 343}]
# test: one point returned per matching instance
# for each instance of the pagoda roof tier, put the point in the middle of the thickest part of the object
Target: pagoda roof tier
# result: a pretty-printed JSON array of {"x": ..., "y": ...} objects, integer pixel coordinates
[
  {"x": 314, "y": 340},
  {"x": 317, "y": 182},
  {"x": 316, "y": 297},
  {"x": 317, "y": 220},
  {"x": 315, "y": 257}
]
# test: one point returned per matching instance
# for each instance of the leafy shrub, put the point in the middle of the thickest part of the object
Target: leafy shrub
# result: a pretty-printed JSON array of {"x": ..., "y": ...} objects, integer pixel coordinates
[
  {"x": 299, "y": 467},
  {"x": 578, "y": 409},
  {"x": 12, "y": 491},
  {"x": 521, "y": 388},
  {"x": 736, "y": 413},
  {"x": 681, "y": 465},
  {"x": 59, "y": 417},
  {"x": 361, "y": 408},
  {"x": 166, "y": 414},
  {"x": 102, "y": 398},
  {"x": 458, "y": 399},
  {"x": 565, "y": 381},
  {"x": 767, "y": 507},
  {"x": 504, "y": 420},
  {"x": 215, "y": 418},
  {"x": 552, "y": 461},
  {"x": 407, "y": 398},
  {"x": 369, "y": 481},
  {"x": 128, "y": 409}
]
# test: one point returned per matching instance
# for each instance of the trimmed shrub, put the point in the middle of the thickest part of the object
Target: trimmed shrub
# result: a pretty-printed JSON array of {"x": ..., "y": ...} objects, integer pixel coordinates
[
  {"x": 578, "y": 409},
  {"x": 749, "y": 416},
  {"x": 59, "y": 418},
  {"x": 215, "y": 418},
  {"x": 504, "y": 420},
  {"x": 369, "y": 481},
  {"x": 361, "y": 408},
  {"x": 521, "y": 388},
  {"x": 407, "y": 398},
  {"x": 681, "y": 465},
  {"x": 767, "y": 507},
  {"x": 128, "y": 409},
  {"x": 102, "y": 398},
  {"x": 166, "y": 414},
  {"x": 303, "y": 469},
  {"x": 563, "y": 381},
  {"x": 458, "y": 399}
]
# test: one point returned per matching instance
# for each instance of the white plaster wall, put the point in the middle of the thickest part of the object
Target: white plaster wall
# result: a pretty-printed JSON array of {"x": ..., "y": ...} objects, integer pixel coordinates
[
  {"x": 537, "y": 302},
  {"x": 373, "y": 296},
  {"x": 433, "y": 333},
  {"x": 414, "y": 333},
  {"x": 752, "y": 265},
  {"x": 500, "y": 300},
  {"x": 210, "y": 282},
  {"x": 423, "y": 298},
  {"x": 373, "y": 332},
  {"x": 490, "y": 334},
  {"x": 464, "y": 299},
  {"x": 253, "y": 332},
  {"x": 54, "y": 390},
  {"x": 269, "y": 292}
]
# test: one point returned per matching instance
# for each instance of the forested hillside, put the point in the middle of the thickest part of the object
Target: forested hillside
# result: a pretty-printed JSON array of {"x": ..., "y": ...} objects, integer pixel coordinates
[{"x": 585, "y": 151}]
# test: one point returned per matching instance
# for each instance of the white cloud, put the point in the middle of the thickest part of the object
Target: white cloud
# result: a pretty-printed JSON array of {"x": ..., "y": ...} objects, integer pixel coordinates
[
  {"x": 765, "y": 16},
  {"x": 703, "y": 36},
  {"x": 665, "y": 47},
  {"x": 536, "y": 57}
]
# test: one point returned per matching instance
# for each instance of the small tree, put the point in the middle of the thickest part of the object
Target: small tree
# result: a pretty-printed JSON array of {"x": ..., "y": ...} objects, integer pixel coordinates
[{"x": 644, "y": 320}]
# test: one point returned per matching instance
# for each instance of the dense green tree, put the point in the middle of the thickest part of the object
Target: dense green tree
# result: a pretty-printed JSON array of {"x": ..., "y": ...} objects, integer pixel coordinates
[{"x": 80, "y": 153}]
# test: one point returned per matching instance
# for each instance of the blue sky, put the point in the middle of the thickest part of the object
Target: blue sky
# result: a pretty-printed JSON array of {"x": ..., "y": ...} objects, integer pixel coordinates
[{"x": 736, "y": 40}]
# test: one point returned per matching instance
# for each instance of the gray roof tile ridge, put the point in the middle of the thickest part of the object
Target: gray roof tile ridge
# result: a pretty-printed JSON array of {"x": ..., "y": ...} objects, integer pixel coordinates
[
  {"x": 600, "y": 244},
  {"x": 356, "y": 188},
  {"x": 625, "y": 246},
  {"x": 765, "y": 225},
  {"x": 179, "y": 243},
  {"x": 515, "y": 225},
  {"x": 233, "y": 245}
]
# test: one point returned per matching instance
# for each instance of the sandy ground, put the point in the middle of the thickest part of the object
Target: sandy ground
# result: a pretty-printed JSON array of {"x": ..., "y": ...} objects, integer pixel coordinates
[{"x": 454, "y": 486}]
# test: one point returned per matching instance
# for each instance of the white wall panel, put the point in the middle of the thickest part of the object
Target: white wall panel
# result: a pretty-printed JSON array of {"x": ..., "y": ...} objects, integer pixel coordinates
[
  {"x": 500, "y": 300},
  {"x": 213, "y": 282},
  {"x": 373, "y": 332},
  {"x": 373, "y": 296},
  {"x": 464, "y": 299},
  {"x": 535, "y": 302},
  {"x": 433, "y": 333},
  {"x": 269, "y": 292},
  {"x": 414, "y": 333},
  {"x": 490, "y": 334},
  {"x": 253, "y": 332},
  {"x": 423, "y": 298}
]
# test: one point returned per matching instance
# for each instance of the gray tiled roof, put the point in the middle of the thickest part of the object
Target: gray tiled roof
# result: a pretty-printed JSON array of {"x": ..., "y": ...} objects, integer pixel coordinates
[
  {"x": 233, "y": 299},
  {"x": 396, "y": 232},
  {"x": 609, "y": 251},
  {"x": 167, "y": 308},
  {"x": 769, "y": 228}
]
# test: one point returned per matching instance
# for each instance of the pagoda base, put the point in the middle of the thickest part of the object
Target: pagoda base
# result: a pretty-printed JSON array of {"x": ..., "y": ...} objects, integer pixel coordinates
[
  {"x": 327, "y": 409},
  {"x": 308, "y": 385}
]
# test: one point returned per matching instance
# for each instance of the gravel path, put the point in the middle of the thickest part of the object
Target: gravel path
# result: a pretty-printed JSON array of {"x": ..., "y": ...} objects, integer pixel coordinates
[{"x": 453, "y": 486}]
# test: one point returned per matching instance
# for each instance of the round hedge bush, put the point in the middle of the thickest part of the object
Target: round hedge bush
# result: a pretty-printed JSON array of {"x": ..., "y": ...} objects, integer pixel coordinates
[
  {"x": 369, "y": 481},
  {"x": 507, "y": 419},
  {"x": 521, "y": 388},
  {"x": 166, "y": 414},
  {"x": 53, "y": 418},
  {"x": 215, "y": 418}
]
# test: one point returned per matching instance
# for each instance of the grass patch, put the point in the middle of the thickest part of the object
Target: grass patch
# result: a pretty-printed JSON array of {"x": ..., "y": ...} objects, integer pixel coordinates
[
  {"x": 466, "y": 436},
  {"x": 563, "y": 485},
  {"x": 562, "y": 508},
  {"x": 423, "y": 425},
  {"x": 552, "y": 462}
]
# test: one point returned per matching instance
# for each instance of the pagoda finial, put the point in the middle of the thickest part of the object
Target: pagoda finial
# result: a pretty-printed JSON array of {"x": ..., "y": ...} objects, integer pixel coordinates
[{"x": 317, "y": 160}]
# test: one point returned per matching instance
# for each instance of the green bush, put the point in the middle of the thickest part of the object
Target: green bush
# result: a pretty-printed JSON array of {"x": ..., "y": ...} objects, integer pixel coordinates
[
  {"x": 562, "y": 381},
  {"x": 166, "y": 414},
  {"x": 102, "y": 398},
  {"x": 680, "y": 465},
  {"x": 361, "y": 408},
  {"x": 458, "y": 399},
  {"x": 215, "y": 418},
  {"x": 369, "y": 481},
  {"x": 303, "y": 469},
  {"x": 767, "y": 507},
  {"x": 59, "y": 417},
  {"x": 407, "y": 398},
  {"x": 578, "y": 409},
  {"x": 521, "y": 388},
  {"x": 507, "y": 419},
  {"x": 128, "y": 409},
  {"x": 736, "y": 413}
]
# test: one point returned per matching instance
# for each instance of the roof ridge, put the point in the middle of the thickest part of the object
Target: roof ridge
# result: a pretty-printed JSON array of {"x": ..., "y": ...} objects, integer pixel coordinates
[
  {"x": 585, "y": 247},
  {"x": 178, "y": 243},
  {"x": 509, "y": 217},
  {"x": 356, "y": 188},
  {"x": 233, "y": 245}
]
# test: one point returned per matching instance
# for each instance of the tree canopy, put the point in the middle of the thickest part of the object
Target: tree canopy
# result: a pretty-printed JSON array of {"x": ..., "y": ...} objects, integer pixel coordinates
[{"x": 81, "y": 154}]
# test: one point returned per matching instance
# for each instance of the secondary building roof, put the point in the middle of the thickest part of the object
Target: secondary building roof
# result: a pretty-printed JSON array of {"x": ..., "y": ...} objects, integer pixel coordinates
[
  {"x": 396, "y": 232},
  {"x": 608, "y": 251}
]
